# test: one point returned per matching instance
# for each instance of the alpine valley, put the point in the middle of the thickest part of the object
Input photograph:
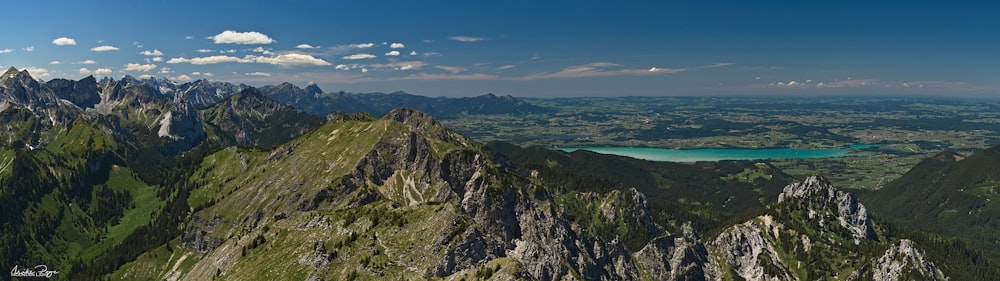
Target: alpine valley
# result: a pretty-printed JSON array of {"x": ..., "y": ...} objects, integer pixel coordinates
[{"x": 149, "y": 179}]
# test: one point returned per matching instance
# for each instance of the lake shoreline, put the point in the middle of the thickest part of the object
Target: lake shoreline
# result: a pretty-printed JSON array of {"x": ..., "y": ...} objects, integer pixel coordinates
[{"x": 723, "y": 154}]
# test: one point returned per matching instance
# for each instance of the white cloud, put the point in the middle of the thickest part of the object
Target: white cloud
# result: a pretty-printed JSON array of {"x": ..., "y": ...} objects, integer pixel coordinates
[
  {"x": 165, "y": 70},
  {"x": 345, "y": 66},
  {"x": 452, "y": 69},
  {"x": 139, "y": 67},
  {"x": 359, "y": 56},
  {"x": 363, "y": 45},
  {"x": 155, "y": 53},
  {"x": 55, "y": 62},
  {"x": 509, "y": 66},
  {"x": 4, "y": 51},
  {"x": 233, "y": 37},
  {"x": 392, "y": 53},
  {"x": 189, "y": 37},
  {"x": 262, "y": 51},
  {"x": 653, "y": 69},
  {"x": 84, "y": 71},
  {"x": 29, "y": 49},
  {"x": 157, "y": 59},
  {"x": 145, "y": 76},
  {"x": 64, "y": 41},
  {"x": 182, "y": 78},
  {"x": 196, "y": 73},
  {"x": 406, "y": 67},
  {"x": 291, "y": 60},
  {"x": 37, "y": 72},
  {"x": 104, "y": 48},
  {"x": 413, "y": 53},
  {"x": 364, "y": 70},
  {"x": 204, "y": 50},
  {"x": 466, "y": 38},
  {"x": 86, "y": 62},
  {"x": 207, "y": 60},
  {"x": 230, "y": 51},
  {"x": 103, "y": 71},
  {"x": 397, "y": 46},
  {"x": 306, "y": 46},
  {"x": 258, "y": 73}
]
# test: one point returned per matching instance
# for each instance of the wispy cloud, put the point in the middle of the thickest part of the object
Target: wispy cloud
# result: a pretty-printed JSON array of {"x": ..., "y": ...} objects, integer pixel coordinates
[
  {"x": 204, "y": 50},
  {"x": 206, "y": 60},
  {"x": 154, "y": 52},
  {"x": 291, "y": 60},
  {"x": 451, "y": 69},
  {"x": 717, "y": 65},
  {"x": 306, "y": 46},
  {"x": 37, "y": 72},
  {"x": 4, "y": 51},
  {"x": 29, "y": 49},
  {"x": 64, "y": 41},
  {"x": 258, "y": 73},
  {"x": 601, "y": 69},
  {"x": 182, "y": 78},
  {"x": 438, "y": 77},
  {"x": 104, "y": 48},
  {"x": 359, "y": 57},
  {"x": 362, "y": 45},
  {"x": 139, "y": 67},
  {"x": 234, "y": 37},
  {"x": 86, "y": 62},
  {"x": 55, "y": 62},
  {"x": 466, "y": 38}
]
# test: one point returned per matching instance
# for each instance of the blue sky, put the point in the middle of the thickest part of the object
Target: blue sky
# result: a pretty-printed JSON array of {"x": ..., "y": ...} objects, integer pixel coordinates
[{"x": 522, "y": 48}]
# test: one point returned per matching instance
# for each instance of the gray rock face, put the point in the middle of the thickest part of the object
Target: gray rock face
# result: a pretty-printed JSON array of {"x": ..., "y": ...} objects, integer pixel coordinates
[
  {"x": 746, "y": 250},
  {"x": 675, "y": 258},
  {"x": 19, "y": 88},
  {"x": 902, "y": 261},
  {"x": 510, "y": 220},
  {"x": 818, "y": 193},
  {"x": 83, "y": 93},
  {"x": 183, "y": 125}
]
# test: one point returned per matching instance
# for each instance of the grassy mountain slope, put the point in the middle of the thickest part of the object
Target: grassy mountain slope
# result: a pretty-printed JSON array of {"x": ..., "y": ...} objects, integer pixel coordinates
[{"x": 948, "y": 194}]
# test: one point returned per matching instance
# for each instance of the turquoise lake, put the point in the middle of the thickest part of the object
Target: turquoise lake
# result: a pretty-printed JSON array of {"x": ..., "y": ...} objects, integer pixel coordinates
[{"x": 717, "y": 154}]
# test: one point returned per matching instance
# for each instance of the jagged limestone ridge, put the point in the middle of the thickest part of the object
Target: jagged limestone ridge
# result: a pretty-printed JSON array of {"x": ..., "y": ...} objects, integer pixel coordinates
[{"x": 321, "y": 203}]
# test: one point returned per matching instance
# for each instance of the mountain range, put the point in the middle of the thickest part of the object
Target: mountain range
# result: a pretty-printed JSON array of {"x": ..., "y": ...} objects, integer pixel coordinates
[{"x": 147, "y": 179}]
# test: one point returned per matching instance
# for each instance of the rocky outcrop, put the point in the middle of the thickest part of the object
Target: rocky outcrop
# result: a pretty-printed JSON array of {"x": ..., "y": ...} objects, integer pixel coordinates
[
  {"x": 183, "y": 126},
  {"x": 817, "y": 193},
  {"x": 83, "y": 93},
  {"x": 746, "y": 250},
  {"x": 676, "y": 258},
  {"x": 903, "y": 261},
  {"x": 512, "y": 217}
]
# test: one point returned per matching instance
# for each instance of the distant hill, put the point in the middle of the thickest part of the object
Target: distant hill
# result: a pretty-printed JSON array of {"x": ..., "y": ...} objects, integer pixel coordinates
[{"x": 948, "y": 193}]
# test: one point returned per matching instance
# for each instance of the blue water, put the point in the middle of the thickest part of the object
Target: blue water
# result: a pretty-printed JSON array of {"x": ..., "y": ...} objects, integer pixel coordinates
[{"x": 717, "y": 154}]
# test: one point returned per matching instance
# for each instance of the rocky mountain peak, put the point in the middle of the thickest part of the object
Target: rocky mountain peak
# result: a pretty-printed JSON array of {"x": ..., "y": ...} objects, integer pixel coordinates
[
  {"x": 902, "y": 259},
  {"x": 818, "y": 194},
  {"x": 312, "y": 89},
  {"x": 420, "y": 122}
]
